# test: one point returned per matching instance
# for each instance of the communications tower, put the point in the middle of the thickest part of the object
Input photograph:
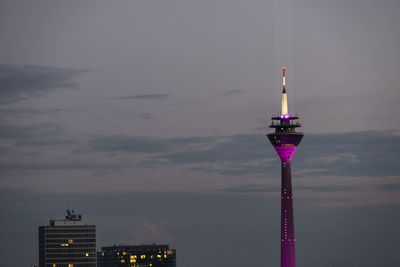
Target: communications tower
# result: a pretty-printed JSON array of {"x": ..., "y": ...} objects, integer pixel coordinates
[{"x": 285, "y": 140}]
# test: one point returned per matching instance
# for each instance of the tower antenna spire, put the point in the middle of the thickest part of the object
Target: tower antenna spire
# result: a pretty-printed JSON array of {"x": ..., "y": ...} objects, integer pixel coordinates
[
  {"x": 283, "y": 79},
  {"x": 284, "y": 95}
]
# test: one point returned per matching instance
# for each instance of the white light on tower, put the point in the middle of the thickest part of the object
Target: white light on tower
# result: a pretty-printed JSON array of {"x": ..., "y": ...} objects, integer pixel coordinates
[{"x": 284, "y": 96}]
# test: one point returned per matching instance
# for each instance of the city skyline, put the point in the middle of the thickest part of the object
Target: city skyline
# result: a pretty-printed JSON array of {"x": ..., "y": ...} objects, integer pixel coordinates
[
  {"x": 104, "y": 105},
  {"x": 71, "y": 242}
]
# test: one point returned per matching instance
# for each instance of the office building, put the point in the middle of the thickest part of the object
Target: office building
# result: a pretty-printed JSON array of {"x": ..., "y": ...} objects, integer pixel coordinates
[
  {"x": 69, "y": 242},
  {"x": 137, "y": 256}
]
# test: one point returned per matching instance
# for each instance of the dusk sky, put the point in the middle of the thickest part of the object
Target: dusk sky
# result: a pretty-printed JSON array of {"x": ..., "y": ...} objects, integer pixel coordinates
[{"x": 149, "y": 117}]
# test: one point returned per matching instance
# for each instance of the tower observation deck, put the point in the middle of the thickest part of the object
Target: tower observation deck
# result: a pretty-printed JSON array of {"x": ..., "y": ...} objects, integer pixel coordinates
[{"x": 285, "y": 140}]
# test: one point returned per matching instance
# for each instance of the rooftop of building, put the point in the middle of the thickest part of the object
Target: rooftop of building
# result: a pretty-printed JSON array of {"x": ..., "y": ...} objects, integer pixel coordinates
[
  {"x": 70, "y": 219},
  {"x": 136, "y": 247}
]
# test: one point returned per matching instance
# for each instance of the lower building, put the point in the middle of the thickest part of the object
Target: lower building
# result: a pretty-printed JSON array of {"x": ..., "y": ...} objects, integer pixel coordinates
[
  {"x": 137, "y": 256},
  {"x": 69, "y": 242}
]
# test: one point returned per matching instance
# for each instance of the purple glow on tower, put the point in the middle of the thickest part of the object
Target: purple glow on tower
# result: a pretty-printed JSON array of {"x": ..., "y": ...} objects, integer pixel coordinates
[
  {"x": 288, "y": 250},
  {"x": 285, "y": 152},
  {"x": 285, "y": 141}
]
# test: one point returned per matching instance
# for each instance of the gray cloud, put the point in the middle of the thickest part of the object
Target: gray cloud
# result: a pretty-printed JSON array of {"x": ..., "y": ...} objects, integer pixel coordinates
[
  {"x": 42, "y": 134},
  {"x": 243, "y": 148},
  {"x": 49, "y": 166},
  {"x": 328, "y": 188},
  {"x": 145, "y": 97},
  {"x": 389, "y": 187},
  {"x": 147, "y": 116},
  {"x": 251, "y": 188},
  {"x": 234, "y": 155},
  {"x": 9, "y": 131},
  {"x": 349, "y": 154},
  {"x": 246, "y": 155},
  {"x": 352, "y": 154},
  {"x": 26, "y": 112},
  {"x": 231, "y": 92},
  {"x": 20, "y": 82},
  {"x": 259, "y": 188},
  {"x": 145, "y": 145},
  {"x": 127, "y": 144},
  {"x": 371, "y": 153}
]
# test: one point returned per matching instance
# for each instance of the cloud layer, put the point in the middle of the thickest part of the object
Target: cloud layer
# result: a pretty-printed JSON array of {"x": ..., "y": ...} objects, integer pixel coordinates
[
  {"x": 352, "y": 154},
  {"x": 145, "y": 97},
  {"x": 20, "y": 82}
]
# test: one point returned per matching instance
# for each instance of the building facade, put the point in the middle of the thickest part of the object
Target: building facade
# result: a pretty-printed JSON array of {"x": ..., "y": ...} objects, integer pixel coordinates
[
  {"x": 69, "y": 242},
  {"x": 137, "y": 256}
]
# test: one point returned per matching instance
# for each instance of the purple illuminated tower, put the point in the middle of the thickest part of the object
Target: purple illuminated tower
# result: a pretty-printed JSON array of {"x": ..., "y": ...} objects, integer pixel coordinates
[{"x": 285, "y": 141}]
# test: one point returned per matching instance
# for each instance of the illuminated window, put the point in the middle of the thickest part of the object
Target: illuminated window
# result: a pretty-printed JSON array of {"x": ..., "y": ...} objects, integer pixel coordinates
[
  {"x": 70, "y": 241},
  {"x": 165, "y": 256},
  {"x": 142, "y": 256},
  {"x": 122, "y": 261},
  {"x": 158, "y": 256},
  {"x": 87, "y": 254},
  {"x": 124, "y": 253},
  {"x": 54, "y": 265},
  {"x": 133, "y": 260},
  {"x": 70, "y": 265}
]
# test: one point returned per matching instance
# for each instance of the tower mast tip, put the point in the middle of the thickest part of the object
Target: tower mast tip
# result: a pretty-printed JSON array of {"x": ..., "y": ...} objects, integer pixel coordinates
[{"x": 284, "y": 97}]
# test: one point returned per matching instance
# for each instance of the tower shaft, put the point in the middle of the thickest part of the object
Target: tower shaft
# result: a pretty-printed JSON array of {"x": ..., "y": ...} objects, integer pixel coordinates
[
  {"x": 285, "y": 143},
  {"x": 288, "y": 253}
]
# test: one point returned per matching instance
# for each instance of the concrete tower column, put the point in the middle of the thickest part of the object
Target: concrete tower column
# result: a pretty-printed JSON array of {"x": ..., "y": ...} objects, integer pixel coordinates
[{"x": 285, "y": 141}]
